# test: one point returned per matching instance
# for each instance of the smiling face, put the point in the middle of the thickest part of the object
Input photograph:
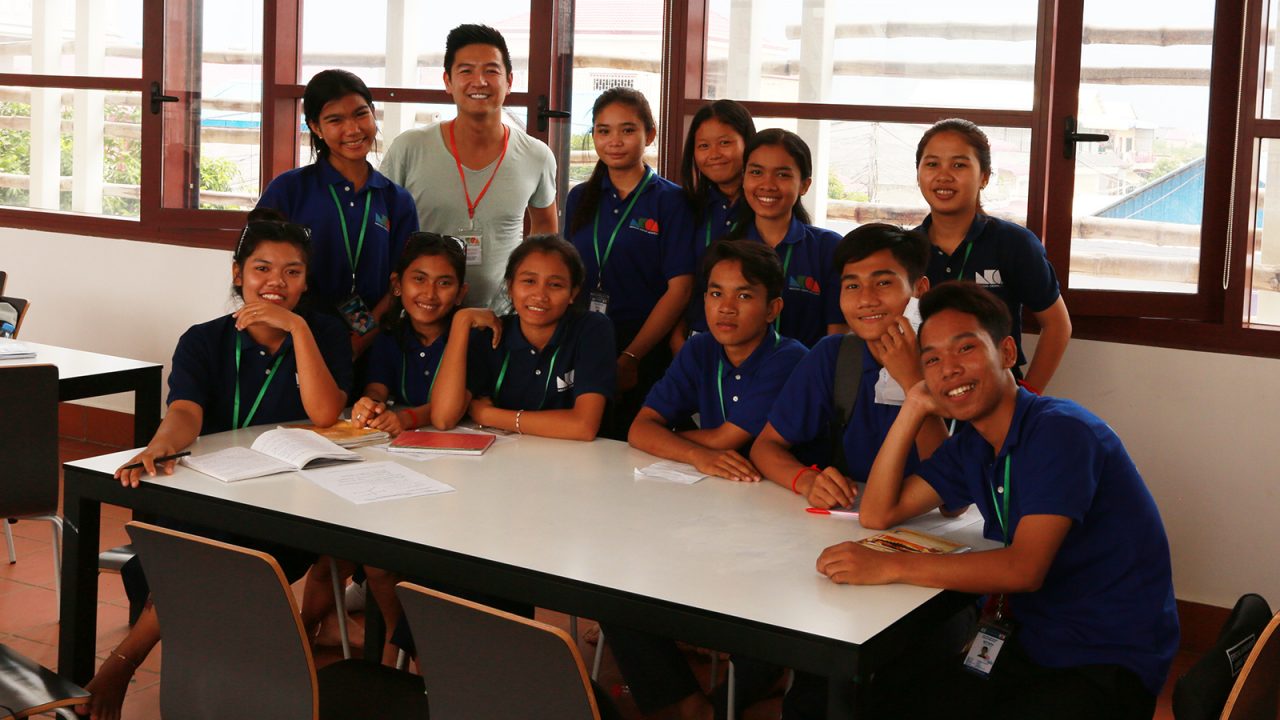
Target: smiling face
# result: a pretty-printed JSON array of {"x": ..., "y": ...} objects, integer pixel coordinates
[
  {"x": 949, "y": 174},
  {"x": 965, "y": 371},
  {"x": 274, "y": 272},
  {"x": 772, "y": 184},
  {"x": 478, "y": 82},
  {"x": 738, "y": 311},
  {"x": 346, "y": 127},
  {"x": 428, "y": 290},
  {"x": 717, "y": 153},
  {"x": 874, "y": 290},
  {"x": 541, "y": 289},
  {"x": 620, "y": 136}
]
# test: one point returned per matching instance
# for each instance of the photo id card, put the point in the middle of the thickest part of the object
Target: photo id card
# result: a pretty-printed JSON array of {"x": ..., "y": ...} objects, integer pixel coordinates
[
  {"x": 985, "y": 648},
  {"x": 472, "y": 242},
  {"x": 599, "y": 302},
  {"x": 357, "y": 315}
]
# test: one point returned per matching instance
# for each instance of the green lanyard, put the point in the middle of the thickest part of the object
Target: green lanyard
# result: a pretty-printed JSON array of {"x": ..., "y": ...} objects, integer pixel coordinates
[
  {"x": 595, "y": 230},
  {"x": 708, "y": 227},
  {"x": 502, "y": 375},
  {"x": 404, "y": 393},
  {"x": 964, "y": 261},
  {"x": 346, "y": 237},
  {"x": 235, "y": 411},
  {"x": 786, "y": 263},
  {"x": 724, "y": 416},
  {"x": 1002, "y": 517}
]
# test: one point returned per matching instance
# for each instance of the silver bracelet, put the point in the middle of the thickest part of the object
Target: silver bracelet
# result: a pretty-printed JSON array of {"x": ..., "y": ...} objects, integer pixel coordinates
[{"x": 518, "y": 430}]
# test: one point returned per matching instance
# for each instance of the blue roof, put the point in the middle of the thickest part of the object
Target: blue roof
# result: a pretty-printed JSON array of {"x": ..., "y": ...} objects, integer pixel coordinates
[{"x": 1176, "y": 197}]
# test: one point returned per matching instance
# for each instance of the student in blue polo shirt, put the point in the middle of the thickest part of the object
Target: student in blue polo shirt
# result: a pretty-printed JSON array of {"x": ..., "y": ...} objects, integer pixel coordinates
[
  {"x": 548, "y": 369},
  {"x": 359, "y": 218},
  {"x": 779, "y": 170},
  {"x": 1083, "y": 622},
  {"x": 711, "y": 171},
  {"x": 634, "y": 232},
  {"x": 953, "y": 165},
  {"x": 730, "y": 377},
  {"x": 263, "y": 363}
]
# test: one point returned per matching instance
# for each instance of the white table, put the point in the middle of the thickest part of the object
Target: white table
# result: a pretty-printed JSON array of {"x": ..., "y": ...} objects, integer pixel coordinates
[
  {"x": 83, "y": 374},
  {"x": 562, "y": 525}
]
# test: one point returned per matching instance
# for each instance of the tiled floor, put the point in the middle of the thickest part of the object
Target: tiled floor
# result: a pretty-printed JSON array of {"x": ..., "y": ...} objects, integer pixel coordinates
[{"x": 28, "y": 616}]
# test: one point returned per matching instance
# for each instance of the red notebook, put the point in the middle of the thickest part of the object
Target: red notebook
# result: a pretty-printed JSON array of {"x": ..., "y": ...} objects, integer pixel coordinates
[{"x": 441, "y": 442}]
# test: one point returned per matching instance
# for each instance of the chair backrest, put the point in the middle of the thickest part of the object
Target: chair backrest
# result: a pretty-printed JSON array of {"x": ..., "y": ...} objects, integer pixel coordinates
[
  {"x": 28, "y": 440},
  {"x": 234, "y": 645},
  {"x": 19, "y": 305},
  {"x": 485, "y": 664},
  {"x": 1256, "y": 693}
]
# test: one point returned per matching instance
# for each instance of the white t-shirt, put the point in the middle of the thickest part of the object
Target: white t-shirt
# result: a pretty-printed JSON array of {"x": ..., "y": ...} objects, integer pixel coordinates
[{"x": 420, "y": 161}]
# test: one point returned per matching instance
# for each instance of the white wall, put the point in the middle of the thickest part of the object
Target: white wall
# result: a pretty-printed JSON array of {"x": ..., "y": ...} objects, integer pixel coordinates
[{"x": 1200, "y": 426}]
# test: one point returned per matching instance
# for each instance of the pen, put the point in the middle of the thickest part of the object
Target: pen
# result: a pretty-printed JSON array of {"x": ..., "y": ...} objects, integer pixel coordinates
[
  {"x": 837, "y": 512},
  {"x": 162, "y": 458}
]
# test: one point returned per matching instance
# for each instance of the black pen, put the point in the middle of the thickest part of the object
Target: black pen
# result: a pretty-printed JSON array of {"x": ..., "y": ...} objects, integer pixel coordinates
[{"x": 162, "y": 458}]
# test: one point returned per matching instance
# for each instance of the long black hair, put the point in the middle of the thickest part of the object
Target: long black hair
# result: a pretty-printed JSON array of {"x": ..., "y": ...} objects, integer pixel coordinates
[
  {"x": 729, "y": 112},
  {"x": 421, "y": 244},
  {"x": 323, "y": 88},
  {"x": 799, "y": 152},
  {"x": 633, "y": 99}
]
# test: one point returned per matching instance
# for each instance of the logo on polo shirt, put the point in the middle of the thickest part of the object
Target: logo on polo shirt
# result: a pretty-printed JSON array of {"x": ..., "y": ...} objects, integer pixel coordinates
[
  {"x": 988, "y": 278},
  {"x": 382, "y": 221},
  {"x": 804, "y": 284},
  {"x": 648, "y": 225},
  {"x": 564, "y": 382}
]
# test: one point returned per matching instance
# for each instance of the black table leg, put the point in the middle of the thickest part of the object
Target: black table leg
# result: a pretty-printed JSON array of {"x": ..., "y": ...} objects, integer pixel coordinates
[
  {"x": 146, "y": 406},
  {"x": 79, "y": 609}
]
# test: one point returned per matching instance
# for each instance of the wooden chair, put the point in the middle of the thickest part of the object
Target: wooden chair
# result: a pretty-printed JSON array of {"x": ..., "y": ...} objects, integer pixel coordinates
[
  {"x": 17, "y": 305},
  {"x": 28, "y": 689},
  {"x": 234, "y": 645},
  {"x": 485, "y": 664},
  {"x": 1256, "y": 693},
  {"x": 29, "y": 446}
]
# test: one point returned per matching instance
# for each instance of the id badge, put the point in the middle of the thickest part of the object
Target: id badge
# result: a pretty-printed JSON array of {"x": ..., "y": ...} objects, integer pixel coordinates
[
  {"x": 599, "y": 302},
  {"x": 473, "y": 243},
  {"x": 888, "y": 391},
  {"x": 985, "y": 647},
  {"x": 357, "y": 315}
]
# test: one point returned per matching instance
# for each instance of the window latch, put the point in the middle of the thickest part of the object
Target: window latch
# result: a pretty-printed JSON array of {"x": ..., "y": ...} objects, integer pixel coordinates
[
  {"x": 1069, "y": 138},
  {"x": 545, "y": 112},
  {"x": 157, "y": 97}
]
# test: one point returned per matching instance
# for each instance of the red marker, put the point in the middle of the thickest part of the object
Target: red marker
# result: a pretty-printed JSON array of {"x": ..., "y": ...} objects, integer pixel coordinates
[{"x": 834, "y": 512}]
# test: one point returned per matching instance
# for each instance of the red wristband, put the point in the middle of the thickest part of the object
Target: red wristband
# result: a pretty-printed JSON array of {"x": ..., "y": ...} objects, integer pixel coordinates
[
  {"x": 796, "y": 479},
  {"x": 1031, "y": 388},
  {"x": 412, "y": 417}
]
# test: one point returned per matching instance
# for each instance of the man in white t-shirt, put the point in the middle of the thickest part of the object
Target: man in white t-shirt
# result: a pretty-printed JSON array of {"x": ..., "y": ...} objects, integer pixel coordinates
[{"x": 474, "y": 177}]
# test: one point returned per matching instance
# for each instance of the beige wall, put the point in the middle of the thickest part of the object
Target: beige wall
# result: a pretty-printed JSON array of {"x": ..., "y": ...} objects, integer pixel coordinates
[{"x": 1199, "y": 425}]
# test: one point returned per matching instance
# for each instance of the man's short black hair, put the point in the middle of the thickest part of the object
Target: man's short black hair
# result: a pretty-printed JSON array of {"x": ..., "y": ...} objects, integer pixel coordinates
[
  {"x": 759, "y": 262},
  {"x": 909, "y": 248},
  {"x": 465, "y": 35},
  {"x": 966, "y": 297}
]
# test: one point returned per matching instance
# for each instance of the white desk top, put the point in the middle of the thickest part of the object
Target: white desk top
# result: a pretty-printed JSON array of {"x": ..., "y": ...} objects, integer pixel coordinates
[
  {"x": 76, "y": 363},
  {"x": 574, "y": 510}
]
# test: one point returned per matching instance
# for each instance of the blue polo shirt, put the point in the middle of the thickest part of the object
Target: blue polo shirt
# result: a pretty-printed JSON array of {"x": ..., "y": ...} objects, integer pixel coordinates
[
  {"x": 1007, "y": 259},
  {"x": 1108, "y": 596},
  {"x": 805, "y": 409},
  {"x": 204, "y": 371},
  {"x": 582, "y": 352},
  {"x": 653, "y": 245},
  {"x": 702, "y": 380},
  {"x": 811, "y": 296},
  {"x": 302, "y": 195},
  {"x": 719, "y": 218},
  {"x": 405, "y": 366}
]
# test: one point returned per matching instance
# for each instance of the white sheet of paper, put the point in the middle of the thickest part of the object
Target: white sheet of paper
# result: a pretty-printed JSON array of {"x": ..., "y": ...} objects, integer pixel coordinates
[
  {"x": 670, "y": 471},
  {"x": 888, "y": 391},
  {"x": 236, "y": 463},
  {"x": 298, "y": 447},
  {"x": 938, "y": 524},
  {"x": 368, "y": 482}
]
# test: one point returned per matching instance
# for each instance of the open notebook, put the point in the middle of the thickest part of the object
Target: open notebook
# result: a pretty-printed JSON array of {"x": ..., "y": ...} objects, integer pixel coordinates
[{"x": 275, "y": 451}]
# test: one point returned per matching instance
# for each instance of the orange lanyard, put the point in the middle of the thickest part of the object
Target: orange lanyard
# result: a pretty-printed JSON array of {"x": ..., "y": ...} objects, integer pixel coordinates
[{"x": 453, "y": 145}]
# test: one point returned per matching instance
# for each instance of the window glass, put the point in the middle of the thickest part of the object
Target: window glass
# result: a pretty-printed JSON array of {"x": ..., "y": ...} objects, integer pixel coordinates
[
  {"x": 1139, "y": 195},
  {"x": 101, "y": 38},
  {"x": 925, "y": 53},
  {"x": 1269, "y": 63},
  {"x": 70, "y": 150},
  {"x": 1264, "y": 299},
  {"x": 401, "y": 43}
]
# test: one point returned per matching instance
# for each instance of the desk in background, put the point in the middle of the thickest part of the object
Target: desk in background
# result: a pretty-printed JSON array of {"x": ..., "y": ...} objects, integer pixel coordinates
[
  {"x": 561, "y": 525},
  {"x": 84, "y": 374}
]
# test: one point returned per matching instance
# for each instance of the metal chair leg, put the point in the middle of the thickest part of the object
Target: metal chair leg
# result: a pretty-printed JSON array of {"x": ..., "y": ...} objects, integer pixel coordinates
[
  {"x": 595, "y": 664},
  {"x": 402, "y": 660},
  {"x": 732, "y": 690},
  {"x": 8, "y": 538},
  {"x": 56, "y": 522},
  {"x": 340, "y": 600}
]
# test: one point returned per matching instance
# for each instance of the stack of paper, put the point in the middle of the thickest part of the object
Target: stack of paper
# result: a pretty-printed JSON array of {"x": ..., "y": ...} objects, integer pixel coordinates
[
  {"x": 373, "y": 482},
  {"x": 14, "y": 350},
  {"x": 670, "y": 471},
  {"x": 347, "y": 434}
]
